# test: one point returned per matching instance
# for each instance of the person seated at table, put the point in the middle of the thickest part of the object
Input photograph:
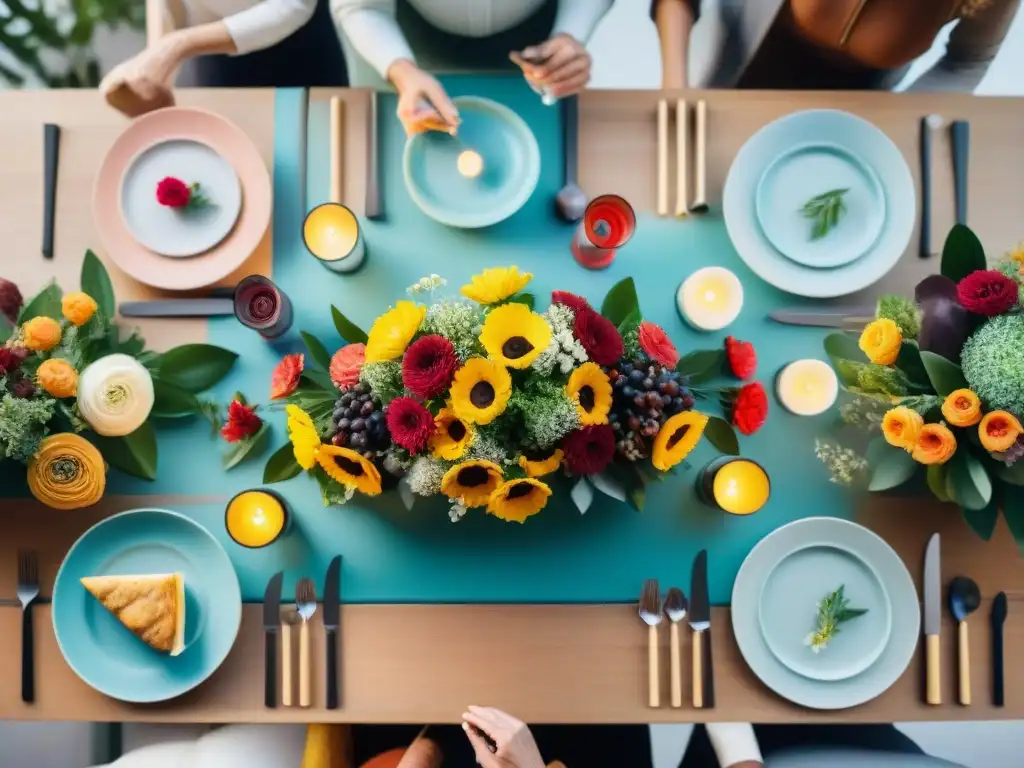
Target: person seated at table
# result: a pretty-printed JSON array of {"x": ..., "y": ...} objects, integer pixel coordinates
[
  {"x": 401, "y": 41},
  {"x": 839, "y": 44},
  {"x": 199, "y": 27},
  {"x": 740, "y": 745}
]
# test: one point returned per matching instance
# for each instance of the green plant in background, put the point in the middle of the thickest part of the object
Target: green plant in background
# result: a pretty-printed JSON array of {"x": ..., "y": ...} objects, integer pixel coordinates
[{"x": 50, "y": 43}]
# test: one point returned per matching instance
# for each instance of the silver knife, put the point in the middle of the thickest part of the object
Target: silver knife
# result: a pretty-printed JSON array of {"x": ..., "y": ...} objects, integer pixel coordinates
[
  {"x": 332, "y": 619},
  {"x": 271, "y": 625},
  {"x": 203, "y": 307},
  {"x": 851, "y": 317},
  {"x": 700, "y": 623},
  {"x": 932, "y": 582}
]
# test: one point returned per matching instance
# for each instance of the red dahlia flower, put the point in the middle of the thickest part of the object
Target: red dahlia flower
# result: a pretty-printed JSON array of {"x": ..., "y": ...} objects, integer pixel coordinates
[
  {"x": 429, "y": 365},
  {"x": 589, "y": 450},
  {"x": 11, "y": 359},
  {"x": 657, "y": 345},
  {"x": 410, "y": 423},
  {"x": 987, "y": 292},
  {"x": 285, "y": 378},
  {"x": 750, "y": 408},
  {"x": 242, "y": 422},
  {"x": 172, "y": 192},
  {"x": 741, "y": 357},
  {"x": 10, "y": 300},
  {"x": 598, "y": 336},
  {"x": 570, "y": 300},
  {"x": 346, "y": 364}
]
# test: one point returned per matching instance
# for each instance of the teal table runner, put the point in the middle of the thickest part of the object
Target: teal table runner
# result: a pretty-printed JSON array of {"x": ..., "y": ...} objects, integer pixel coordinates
[{"x": 396, "y": 556}]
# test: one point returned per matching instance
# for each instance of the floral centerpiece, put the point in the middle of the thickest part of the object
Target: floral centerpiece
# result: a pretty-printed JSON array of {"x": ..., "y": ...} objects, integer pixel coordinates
[
  {"x": 78, "y": 394},
  {"x": 937, "y": 389},
  {"x": 482, "y": 400}
]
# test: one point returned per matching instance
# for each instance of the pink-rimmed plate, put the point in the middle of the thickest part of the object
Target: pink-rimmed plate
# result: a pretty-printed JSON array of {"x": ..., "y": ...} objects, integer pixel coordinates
[{"x": 228, "y": 141}]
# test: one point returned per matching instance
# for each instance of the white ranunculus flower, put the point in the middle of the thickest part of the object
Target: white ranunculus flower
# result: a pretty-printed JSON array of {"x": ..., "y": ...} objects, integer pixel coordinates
[{"x": 115, "y": 395}]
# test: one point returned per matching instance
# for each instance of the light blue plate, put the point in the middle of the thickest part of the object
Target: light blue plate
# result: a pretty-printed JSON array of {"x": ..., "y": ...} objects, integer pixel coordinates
[
  {"x": 104, "y": 653},
  {"x": 803, "y": 173},
  {"x": 511, "y": 166},
  {"x": 858, "y": 138},
  {"x": 878, "y": 557},
  {"x": 789, "y": 612}
]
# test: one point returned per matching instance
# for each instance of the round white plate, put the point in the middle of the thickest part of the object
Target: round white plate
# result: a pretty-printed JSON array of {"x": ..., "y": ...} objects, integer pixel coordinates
[
  {"x": 803, "y": 173},
  {"x": 180, "y": 232},
  {"x": 860, "y": 139},
  {"x": 890, "y": 570},
  {"x": 789, "y": 612}
]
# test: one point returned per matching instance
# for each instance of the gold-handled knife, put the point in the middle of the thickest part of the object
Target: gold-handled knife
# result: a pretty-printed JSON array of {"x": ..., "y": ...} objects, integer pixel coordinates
[
  {"x": 700, "y": 623},
  {"x": 932, "y": 582}
]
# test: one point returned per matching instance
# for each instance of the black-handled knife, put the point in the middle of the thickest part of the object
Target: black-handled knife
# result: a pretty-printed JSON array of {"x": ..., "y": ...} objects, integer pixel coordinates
[
  {"x": 925, "y": 248},
  {"x": 961, "y": 131},
  {"x": 51, "y": 157},
  {"x": 271, "y": 626},
  {"x": 999, "y": 611},
  {"x": 332, "y": 621}
]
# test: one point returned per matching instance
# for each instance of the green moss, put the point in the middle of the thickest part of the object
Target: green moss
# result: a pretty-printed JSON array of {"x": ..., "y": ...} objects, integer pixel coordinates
[{"x": 993, "y": 363}]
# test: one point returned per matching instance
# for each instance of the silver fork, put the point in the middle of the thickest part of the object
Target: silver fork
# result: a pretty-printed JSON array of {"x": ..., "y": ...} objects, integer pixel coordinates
[
  {"x": 28, "y": 591},
  {"x": 305, "y": 604}
]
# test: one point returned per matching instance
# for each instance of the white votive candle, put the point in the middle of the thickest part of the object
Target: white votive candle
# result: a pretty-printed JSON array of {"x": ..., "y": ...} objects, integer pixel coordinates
[
  {"x": 710, "y": 298},
  {"x": 470, "y": 164},
  {"x": 807, "y": 387}
]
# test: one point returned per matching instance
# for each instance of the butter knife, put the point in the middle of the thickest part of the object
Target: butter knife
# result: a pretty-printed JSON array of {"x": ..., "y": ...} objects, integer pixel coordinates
[
  {"x": 851, "y": 317},
  {"x": 932, "y": 585},
  {"x": 202, "y": 307},
  {"x": 700, "y": 623},
  {"x": 271, "y": 626}
]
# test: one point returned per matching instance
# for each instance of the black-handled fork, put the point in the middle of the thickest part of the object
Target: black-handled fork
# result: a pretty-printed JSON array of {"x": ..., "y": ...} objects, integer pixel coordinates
[{"x": 28, "y": 591}]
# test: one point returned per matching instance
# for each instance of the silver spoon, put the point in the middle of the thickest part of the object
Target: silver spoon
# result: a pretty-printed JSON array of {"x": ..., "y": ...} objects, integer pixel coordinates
[
  {"x": 675, "y": 607},
  {"x": 305, "y": 604},
  {"x": 571, "y": 201}
]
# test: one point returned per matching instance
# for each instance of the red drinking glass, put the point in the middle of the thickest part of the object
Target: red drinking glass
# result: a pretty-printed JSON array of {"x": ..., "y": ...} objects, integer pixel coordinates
[
  {"x": 608, "y": 224},
  {"x": 262, "y": 306}
]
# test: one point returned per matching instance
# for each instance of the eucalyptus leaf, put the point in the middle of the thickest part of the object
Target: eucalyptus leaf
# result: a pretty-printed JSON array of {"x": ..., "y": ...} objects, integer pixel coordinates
[
  {"x": 982, "y": 521},
  {"x": 96, "y": 282},
  {"x": 944, "y": 375},
  {"x": 962, "y": 253},
  {"x": 936, "y": 476},
  {"x": 720, "y": 434},
  {"x": 621, "y": 301},
  {"x": 317, "y": 351},
  {"x": 582, "y": 495},
  {"x": 972, "y": 486},
  {"x": 888, "y": 466},
  {"x": 1013, "y": 512},
  {"x": 195, "y": 367},
  {"x": 609, "y": 486},
  {"x": 281, "y": 465},
  {"x": 248, "y": 447},
  {"x": 406, "y": 494},
  {"x": 171, "y": 402},
  {"x": 701, "y": 365},
  {"x": 134, "y": 454},
  {"x": 348, "y": 330},
  {"x": 46, "y": 303}
]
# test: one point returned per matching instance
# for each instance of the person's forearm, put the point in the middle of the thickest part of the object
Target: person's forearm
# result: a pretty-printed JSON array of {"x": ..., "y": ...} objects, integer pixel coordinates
[
  {"x": 373, "y": 31},
  {"x": 734, "y": 744},
  {"x": 579, "y": 18},
  {"x": 267, "y": 23},
  {"x": 674, "y": 20},
  {"x": 177, "y": 47}
]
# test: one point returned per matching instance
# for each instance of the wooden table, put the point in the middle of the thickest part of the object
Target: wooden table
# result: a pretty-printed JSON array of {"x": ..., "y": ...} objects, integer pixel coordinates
[{"x": 546, "y": 663}]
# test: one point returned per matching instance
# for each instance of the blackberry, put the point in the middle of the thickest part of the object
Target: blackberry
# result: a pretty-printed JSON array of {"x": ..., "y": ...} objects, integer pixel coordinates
[
  {"x": 359, "y": 422},
  {"x": 644, "y": 395}
]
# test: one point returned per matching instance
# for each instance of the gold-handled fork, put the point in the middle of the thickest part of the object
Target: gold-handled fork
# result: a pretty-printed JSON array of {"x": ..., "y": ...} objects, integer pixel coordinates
[
  {"x": 305, "y": 604},
  {"x": 651, "y": 611}
]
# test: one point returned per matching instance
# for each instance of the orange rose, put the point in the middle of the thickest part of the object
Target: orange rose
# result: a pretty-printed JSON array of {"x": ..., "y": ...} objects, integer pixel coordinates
[
  {"x": 58, "y": 378},
  {"x": 999, "y": 430},
  {"x": 41, "y": 334},
  {"x": 935, "y": 445},
  {"x": 78, "y": 307},
  {"x": 901, "y": 426},
  {"x": 962, "y": 408}
]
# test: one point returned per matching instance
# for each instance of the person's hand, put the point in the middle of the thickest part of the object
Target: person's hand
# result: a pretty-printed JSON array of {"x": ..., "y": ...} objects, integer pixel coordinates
[
  {"x": 142, "y": 83},
  {"x": 422, "y": 101},
  {"x": 515, "y": 745},
  {"x": 561, "y": 65}
]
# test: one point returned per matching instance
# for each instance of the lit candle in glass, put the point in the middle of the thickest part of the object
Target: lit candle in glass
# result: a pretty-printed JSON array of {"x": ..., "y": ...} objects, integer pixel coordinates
[
  {"x": 608, "y": 224},
  {"x": 710, "y": 299},
  {"x": 736, "y": 486},
  {"x": 469, "y": 163},
  {"x": 256, "y": 518},
  {"x": 807, "y": 387},
  {"x": 262, "y": 306},
  {"x": 332, "y": 234}
]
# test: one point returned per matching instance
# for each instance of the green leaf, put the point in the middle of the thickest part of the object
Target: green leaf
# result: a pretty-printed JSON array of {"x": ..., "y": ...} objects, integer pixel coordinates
[
  {"x": 96, "y": 282},
  {"x": 962, "y": 253},
  {"x": 318, "y": 380},
  {"x": 944, "y": 375},
  {"x": 171, "y": 402},
  {"x": 6, "y": 328},
  {"x": 133, "y": 454},
  {"x": 621, "y": 302},
  {"x": 638, "y": 497},
  {"x": 972, "y": 487},
  {"x": 281, "y": 465},
  {"x": 46, "y": 303},
  {"x": 630, "y": 323},
  {"x": 909, "y": 361},
  {"x": 1013, "y": 512},
  {"x": 720, "y": 434},
  {"x": 134, "y": 345},
  {"x": 701, "y": 365},
  {"x": 888, "y": 466},
  {"x": 843, "y": 346},
  {"x": 195, "y": 367},
  {"x": 317, "y": 351},
  {"x": 348, "y": 330},
  {"x": 523, "y": 298},
  {"x": 982, "y": 521},
  {"x": 250, "y": 446},
  {"x": 1013, "y": 474},
  {"x": 937, "y": 481}
]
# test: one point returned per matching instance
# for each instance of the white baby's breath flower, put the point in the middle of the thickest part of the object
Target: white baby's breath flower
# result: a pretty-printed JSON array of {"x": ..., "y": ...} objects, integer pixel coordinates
[
  {"x": 115, "y": 395},
  {"x": 458, "y": 510}
]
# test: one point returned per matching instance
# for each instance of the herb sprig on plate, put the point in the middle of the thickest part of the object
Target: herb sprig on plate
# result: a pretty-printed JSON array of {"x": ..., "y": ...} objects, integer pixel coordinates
[
  {"x": 833, "y": 610},
  {"x": 825, "y": 210}
]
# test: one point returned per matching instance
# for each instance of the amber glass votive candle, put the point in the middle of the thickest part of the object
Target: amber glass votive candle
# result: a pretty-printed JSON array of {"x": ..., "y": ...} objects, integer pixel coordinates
[
  {"x": 332, "y": 234},
  {"x": 734, "y": 485},
  {"x": 256, "y": 518}
]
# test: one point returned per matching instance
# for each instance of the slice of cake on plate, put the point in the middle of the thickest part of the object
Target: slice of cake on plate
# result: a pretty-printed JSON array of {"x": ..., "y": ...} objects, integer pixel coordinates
[{"x": 150, "y": 605}]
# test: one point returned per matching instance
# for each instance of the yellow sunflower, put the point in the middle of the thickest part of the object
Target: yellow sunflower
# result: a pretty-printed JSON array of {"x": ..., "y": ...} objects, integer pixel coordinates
[
  {"x": 517, "y": 500},
  {"x": 676, "y": 439},
  {"x": 536, "y": 465},
  {"x": 304, "y": 437},
  {"x": 452, "y": 436},
  {"x": 514, "y": 336},
  {"x": 497, "y": 284},
  {"x": 392, "y": 331},
  {"x": 351, "y": 469},
  {"x": 480, "y": 391},
  {"x": 472, "y": 482},
  {"x": 591, "y": 391}
]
